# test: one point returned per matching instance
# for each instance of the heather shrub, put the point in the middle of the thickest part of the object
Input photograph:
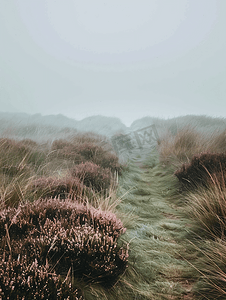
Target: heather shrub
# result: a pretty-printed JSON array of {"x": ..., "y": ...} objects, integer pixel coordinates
[
  {"x": 88, "y": 137},
  {"x": 60, "y": 144},
  {"x": 82, "y": 148},
  {"x": 89, "y": 150},
  {"x": 99, "y": 156},
  {"x": 60, "y": 237},
  {"x": 65, "y": 187},
  {"x": 109, "y": 160},
  {"x": 203, "y": 169},
  {"x": 93, "y": 176},
  {"x": 67, "y": 150},
  {"x": 21, "y": 280}
]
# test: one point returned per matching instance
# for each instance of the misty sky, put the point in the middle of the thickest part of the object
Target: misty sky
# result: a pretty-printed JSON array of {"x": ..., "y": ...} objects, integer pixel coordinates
[{"x": 121, "y": 58}]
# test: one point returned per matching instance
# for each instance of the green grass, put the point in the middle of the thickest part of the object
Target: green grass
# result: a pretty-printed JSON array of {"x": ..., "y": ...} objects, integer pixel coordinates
[{"x": 154, "y": 230}]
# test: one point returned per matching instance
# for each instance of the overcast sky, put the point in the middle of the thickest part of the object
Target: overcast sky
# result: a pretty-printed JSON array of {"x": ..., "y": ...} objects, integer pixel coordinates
[{"x": 121, "y": 58}]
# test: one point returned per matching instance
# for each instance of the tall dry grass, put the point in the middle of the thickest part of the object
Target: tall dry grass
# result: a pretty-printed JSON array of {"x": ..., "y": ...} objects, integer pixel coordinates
[
  {"x": 198, "y": 159},
  {"x": 211, "y": 270},
  {"x": 207, "y": 208},
  {"x": 189, "y": 141}
]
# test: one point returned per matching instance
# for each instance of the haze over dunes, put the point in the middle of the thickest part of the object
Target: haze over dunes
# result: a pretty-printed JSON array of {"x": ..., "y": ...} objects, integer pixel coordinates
[{"x": 16, "y": 124}]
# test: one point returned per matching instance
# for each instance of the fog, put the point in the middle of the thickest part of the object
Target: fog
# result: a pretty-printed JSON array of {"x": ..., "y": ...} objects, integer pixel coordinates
[{"x": 125, "y": 59}]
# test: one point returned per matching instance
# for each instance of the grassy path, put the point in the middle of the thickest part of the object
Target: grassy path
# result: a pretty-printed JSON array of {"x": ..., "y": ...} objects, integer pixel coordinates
[{"x": 156, "y": 229}]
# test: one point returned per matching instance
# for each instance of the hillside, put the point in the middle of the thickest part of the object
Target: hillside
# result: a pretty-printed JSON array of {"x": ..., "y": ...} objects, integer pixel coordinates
[{"x": 22, "y": 125}]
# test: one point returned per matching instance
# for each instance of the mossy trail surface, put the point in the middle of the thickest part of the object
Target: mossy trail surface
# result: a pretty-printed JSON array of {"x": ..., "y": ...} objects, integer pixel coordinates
[{"x": 156, "y": 230}]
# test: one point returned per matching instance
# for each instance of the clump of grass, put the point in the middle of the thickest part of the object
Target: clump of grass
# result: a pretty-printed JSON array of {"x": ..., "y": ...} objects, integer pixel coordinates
[
  {"x": 218, "y": 141},
  {"x": 211, "y": 267},
  {"x": 207, "y": 208},
  {"x": 60, "y": 237},
  {"x": 181, "y": 147},
  {"x": 203, "y": 169}
]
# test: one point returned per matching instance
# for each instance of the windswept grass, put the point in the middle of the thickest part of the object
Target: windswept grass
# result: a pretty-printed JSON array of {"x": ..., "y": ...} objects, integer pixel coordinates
[
  {"x": 187, "y": 142},
  {"x": 211, "y": 267},
  {"x": 198, "y": 162},
  {"x": 207, "y": 208},
  {"x": 179, "y": 148}
]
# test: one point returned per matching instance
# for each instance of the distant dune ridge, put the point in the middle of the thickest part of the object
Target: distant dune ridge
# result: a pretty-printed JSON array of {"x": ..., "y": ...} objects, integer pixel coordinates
[{"x": 33, "y": 126}]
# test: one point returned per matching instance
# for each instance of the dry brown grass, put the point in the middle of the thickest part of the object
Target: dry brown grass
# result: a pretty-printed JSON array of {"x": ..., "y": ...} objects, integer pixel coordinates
[
  {"x": 180, "y": 148},
  {"x": 200, "y": 163},
  {"x": 208, "y": 210},
  {"x": 188, "y": 141}
]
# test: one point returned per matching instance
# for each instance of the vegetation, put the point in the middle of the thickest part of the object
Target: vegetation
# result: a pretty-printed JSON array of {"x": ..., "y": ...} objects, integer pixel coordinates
[
  {"x": 75, "y": 223},
  {"x": 51, "y": 235},
  {"x": 203, "y": 169},
  {"x": 63, "y": 238},
  {"x": 198, "y": 162}
]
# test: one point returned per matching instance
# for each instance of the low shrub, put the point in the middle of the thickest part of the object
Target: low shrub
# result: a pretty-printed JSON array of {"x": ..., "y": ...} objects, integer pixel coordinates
[
  {"x": 88, "y": 137},
  {"x": 67, "y": 150},
  {"x": 81, "y": 150},
  {"x": 93, "y": 176},
  {"x": 66, "y": 187},
  {"x": 20, "y": 280},
  {"x": 99, "y": 156},
  {"x": 59, "y": 237},
  {"x": 203, "y": 169}
]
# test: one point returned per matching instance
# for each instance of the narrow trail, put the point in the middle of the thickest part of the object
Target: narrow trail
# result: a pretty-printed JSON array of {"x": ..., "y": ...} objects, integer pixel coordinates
[{"x": 158, "y": 231}]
